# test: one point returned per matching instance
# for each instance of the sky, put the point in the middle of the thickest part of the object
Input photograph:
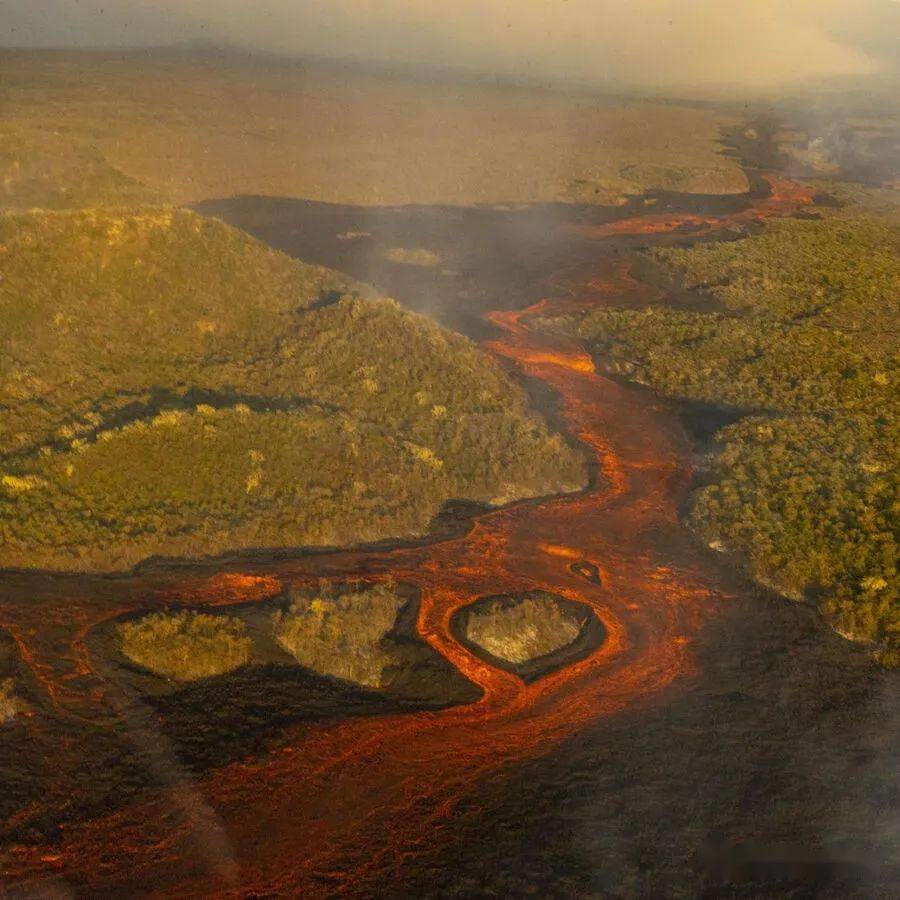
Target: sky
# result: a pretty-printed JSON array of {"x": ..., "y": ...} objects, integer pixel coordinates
[{"x": 661, "y": 45}]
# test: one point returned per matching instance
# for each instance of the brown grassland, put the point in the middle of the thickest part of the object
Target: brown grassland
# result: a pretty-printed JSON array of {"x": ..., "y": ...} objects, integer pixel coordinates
[{"x": 196, "y": 128}]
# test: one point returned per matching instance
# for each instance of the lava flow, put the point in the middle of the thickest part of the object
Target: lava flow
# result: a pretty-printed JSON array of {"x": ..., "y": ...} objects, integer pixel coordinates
[
  {"x": 784, "y": 199},
  {"x": 342, "y": 807}
]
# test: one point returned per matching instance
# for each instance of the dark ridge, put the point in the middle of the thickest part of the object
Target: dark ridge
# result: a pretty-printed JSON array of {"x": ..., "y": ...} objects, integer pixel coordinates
[{"x": 159, "y": 400}]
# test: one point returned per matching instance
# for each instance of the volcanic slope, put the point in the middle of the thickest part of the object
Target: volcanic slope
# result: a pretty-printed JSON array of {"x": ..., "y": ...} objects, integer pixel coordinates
[{"x": 170, "y": 386}]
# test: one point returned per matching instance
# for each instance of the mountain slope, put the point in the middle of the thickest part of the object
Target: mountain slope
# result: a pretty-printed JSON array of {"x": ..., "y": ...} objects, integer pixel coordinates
[{"x": 170, "y": 385}]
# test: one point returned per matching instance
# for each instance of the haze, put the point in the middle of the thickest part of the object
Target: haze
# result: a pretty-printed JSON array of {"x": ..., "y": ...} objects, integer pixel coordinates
[{"x": 663, "y": 46}]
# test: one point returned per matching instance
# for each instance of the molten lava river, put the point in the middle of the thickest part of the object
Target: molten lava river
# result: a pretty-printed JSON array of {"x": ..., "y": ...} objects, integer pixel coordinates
[{"x": 341, "y": 806}]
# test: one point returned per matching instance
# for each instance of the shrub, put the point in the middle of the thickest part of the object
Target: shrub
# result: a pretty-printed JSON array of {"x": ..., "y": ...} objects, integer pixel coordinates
[
  {"x": 169, "y": 387},
  {"x": 413, "y": 256},
  {"x": 342, "y": 634},
  {"x": 521, "y": 629},
  {"x": 807, "y": 492},
  {"x": 10, "y": 704},
  {"x": 185, "y": 645}
]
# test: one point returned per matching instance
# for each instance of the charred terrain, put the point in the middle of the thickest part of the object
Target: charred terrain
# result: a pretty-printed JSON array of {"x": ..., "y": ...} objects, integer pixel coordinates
[{"x": 678, "y": 730}]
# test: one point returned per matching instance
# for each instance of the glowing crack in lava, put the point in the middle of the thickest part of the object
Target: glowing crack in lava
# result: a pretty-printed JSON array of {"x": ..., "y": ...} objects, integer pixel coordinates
[{"x": 341, "y": 807}]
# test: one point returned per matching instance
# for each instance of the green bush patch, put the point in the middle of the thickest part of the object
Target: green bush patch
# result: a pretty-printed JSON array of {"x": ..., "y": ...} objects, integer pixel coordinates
[
  {"x": 185, "y": 645},
  {"x": 169, "y": 386},
  {"x": 343, "y": 633},
  {"x": 521, "y": 629},
  {"x": 806, "y": 489}
]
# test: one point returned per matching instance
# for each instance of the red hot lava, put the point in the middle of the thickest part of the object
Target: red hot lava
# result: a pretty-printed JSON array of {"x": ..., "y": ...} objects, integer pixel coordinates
[
  {"x": 784, "y": 199},
  {"x": 340, "y": 807}
]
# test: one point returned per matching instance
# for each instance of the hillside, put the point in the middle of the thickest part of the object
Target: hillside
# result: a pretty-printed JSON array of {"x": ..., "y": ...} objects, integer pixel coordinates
[
  {"x": 199, "y": 127},
  {"x": 805, "y": 487},
  {"x": 169, "y": 385},
  {"x": 52, "y": 171}
]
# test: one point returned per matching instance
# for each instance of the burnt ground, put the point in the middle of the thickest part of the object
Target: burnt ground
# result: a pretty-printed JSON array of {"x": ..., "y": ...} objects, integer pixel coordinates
[
  {"x": 489, "y": 257},
  {"x": 156, "y": 731},
  {"x": 771, "y": 773}
]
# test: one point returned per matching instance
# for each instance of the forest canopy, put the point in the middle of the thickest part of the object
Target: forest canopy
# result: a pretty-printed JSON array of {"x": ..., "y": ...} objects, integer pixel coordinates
[
  {"x": 805, "y": 344},
  {"x": 169, "y": 385}
]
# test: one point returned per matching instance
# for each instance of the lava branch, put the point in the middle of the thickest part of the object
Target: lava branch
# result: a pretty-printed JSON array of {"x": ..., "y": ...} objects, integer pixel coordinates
[{"x": 339, "y": 806}]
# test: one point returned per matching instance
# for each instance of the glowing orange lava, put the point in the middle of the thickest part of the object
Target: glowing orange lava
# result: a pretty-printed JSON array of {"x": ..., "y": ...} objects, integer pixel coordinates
[
  {"x": 341, "y": 807},
  {"x": 785, "y": 198}
]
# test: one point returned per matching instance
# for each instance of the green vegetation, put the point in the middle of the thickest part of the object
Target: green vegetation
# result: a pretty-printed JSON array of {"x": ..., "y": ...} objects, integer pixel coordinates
[
  {"x": 521, "y": 629},
  {"x": 806, "y": 487},
  {"x": 169, "y": 385},
  {"x": 839, "y": 270},
  {"x": 97, "y": 308},
  {"x": 185, "y": 645},
  {"x": 10, "y": 704},
  {"x": 342, "y": 633}
]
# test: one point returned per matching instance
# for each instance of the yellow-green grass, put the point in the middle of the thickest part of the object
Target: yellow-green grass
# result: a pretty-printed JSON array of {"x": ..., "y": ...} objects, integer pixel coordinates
[
  {"x": 185, "y": 645},
  {"x": 341, "y": 633},
  {"x": 48, "y": 170}
]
